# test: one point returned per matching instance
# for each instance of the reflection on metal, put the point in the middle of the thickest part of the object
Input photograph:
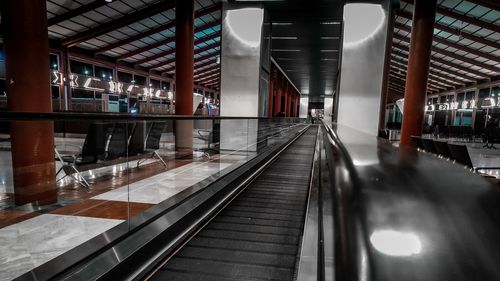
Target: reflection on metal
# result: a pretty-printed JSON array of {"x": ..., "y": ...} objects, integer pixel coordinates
[
  {"x": 362, "y": 59},
  {"x": 362, "y": 21},
  {"x": 396, "y": 243},
  {"x": 238, "y": 24},
  {"x": 240, "y": 60}
]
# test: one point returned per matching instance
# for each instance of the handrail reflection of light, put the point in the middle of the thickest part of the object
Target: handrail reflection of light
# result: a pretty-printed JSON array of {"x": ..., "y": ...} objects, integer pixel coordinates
[
  {"x": 396, "y": 243},
  {"x": 237, "y": 23},
  {"x": 361, "y": 22}
]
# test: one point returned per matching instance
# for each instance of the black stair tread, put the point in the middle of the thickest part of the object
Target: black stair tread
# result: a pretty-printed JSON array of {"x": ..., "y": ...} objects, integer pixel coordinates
[
  {"x": 259, "y": 221},
  {"x": 243, "y": 245},
  {"x": 234, "y": 213},
  {"x": 234, "y": 270},
  {"x": 256, "y": 237},
  {"x": 255, "y": 228},
  {"x": 234, "y": 256}
]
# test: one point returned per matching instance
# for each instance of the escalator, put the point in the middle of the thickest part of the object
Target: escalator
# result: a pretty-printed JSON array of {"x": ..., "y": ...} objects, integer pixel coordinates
[{"x": 257, "y": 235}]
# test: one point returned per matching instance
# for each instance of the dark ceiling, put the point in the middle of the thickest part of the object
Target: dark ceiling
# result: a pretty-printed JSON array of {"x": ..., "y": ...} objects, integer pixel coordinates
[{"x": 306, "y": 43}]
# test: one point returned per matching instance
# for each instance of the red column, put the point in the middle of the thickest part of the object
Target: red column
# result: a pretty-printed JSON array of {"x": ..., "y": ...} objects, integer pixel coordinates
[
  {"x": 184, "y": 70},
  {"x": 288, "y": 99},
  {"x": 184, "y": 57},
  {"x": 28, "y": 88},
  {"x": 277, "y": 99},
  {"x": 424, "y": 12},
  {"x": 270, "y": 96}
]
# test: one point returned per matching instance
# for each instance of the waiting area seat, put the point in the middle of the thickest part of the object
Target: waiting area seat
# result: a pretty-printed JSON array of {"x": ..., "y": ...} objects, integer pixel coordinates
[
  {"x": 456, "y": 152},
  {"x": 109, "y": 144},
  {"x": 212, "y": 137}
]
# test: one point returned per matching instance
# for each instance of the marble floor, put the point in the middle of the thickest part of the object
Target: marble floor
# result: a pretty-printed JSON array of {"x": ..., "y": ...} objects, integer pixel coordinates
[
  {"x": 30, "y": 243},
  {"x": 30, "y": 237}
]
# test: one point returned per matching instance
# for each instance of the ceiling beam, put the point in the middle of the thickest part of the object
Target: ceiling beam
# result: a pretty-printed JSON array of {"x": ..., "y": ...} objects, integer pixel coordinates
[
  {"x": 396, "y": 90},
  {"x": 402, "y": 59},
  {"x": 76, "y": 12},
  {"x": 172, "y": 60},
  {"x": 209, "y": 57},
  {"x": 172, "y": 51},
  {"x": 454, "y": 56},
  {"x": 454, "y": 31},
  {"x": 207, "y": 77},
  {"x": 449, "y": 43},
  {"x": 434, "y": 75},
  {"x": 207, "y": 74},
  {"x": 460, "y": 17},
  {"x": 202, "y": 58},
  {"x": 447, "y": 63},
  {"x": 207, "y": 63},
  {"x": 494, "y": 5},
  {"x": 118, "y": 23},
  {"x": 200, "y": 71},
  {"x": 164, "y": 42},
  {"x": 435, "y": 81},
  {"x": 431, "y": 81},
  {"x": 163, "y": 27},
  {"x": 401, "y": 83}
]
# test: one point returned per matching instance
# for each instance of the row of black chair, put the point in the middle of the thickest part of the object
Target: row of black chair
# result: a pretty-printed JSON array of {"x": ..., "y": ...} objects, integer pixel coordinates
[
  {"x": 454, "y": 152},
  {"x": 107, "y": 141}
]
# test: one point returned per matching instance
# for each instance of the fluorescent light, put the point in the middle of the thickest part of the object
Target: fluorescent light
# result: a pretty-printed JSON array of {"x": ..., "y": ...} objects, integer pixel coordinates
[
  {"x": 328, "y": 51},
  {"x": 283, "y": 38},
  {"x": 282, "y": 23},
  {"x": 329, "y": 38},
  {"x": 328, "y": 59},
  {"x": 330, "y": 22},
  {"x": 285, "y": 50}
]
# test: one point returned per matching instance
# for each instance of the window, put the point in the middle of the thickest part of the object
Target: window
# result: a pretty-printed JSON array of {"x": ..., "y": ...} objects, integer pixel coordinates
[
  {"x": 81, "y": 68},
  {"x": 104, "y": 73}
]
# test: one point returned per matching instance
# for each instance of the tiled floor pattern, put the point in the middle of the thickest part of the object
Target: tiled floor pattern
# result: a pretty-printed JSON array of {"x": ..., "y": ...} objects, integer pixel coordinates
[{"x": 30, "y": 238}]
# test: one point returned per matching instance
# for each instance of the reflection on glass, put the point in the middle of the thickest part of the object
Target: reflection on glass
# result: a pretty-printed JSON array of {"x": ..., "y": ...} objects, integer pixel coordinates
[{"x": 396, "y": 243}]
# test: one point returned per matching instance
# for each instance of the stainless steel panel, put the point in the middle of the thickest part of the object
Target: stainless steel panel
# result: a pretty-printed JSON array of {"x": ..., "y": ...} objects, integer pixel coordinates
[
  {"x": 363, "y": 59},
  {"x": 240, "y": 60}
]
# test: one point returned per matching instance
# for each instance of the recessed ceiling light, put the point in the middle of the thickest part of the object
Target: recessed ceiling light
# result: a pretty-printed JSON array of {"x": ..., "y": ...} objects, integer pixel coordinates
[{"x": 329, "y": 22}]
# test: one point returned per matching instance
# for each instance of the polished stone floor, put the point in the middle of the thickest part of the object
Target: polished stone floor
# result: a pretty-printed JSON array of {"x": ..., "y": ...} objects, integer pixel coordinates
[{"x": 32, "y": 235}]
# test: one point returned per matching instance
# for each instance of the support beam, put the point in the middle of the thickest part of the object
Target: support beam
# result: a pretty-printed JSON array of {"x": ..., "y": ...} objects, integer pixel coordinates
[
  {"x": 424, "y": 13},
  {"x": 448, "y": 63},
  {"x": 172, "y": 51},
  {"x": 453, "y": 55},
  {"x": 170, "y": 61},
  {"x": 205, "y": 64},
  {"x": 207, "y": 73},
  {"x": 208, "y": 77},
  {"x": 163, "y": 27},
  {"x": 434, "y": 69},
  {"x": 454, "y": 31},
  {"x": 200, "y": 71},
  {"x": 460, "y": 17},
  {"x": 76, "y": 12},
  {"x": 164, "y": 42},
  {"x": 210, "y": 57},
  {"x": 449, "y": 43},
  {"x": 432, "y": 76},
  {"x": 104, "y": 28}
]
